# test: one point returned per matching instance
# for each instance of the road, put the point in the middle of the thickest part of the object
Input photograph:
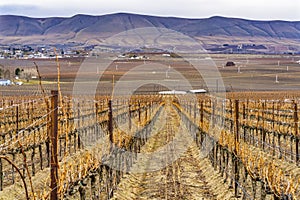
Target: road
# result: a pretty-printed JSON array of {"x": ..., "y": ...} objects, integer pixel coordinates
[{"x": 186, "y": 177}]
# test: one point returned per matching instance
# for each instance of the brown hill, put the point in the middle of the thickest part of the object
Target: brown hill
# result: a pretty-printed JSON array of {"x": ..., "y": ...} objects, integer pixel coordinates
[{"x": 92, "y": 29}]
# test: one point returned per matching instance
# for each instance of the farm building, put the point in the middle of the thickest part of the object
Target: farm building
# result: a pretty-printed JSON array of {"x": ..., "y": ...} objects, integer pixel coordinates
[
  {"x": 172, "y": 92},
  {"x": 197, "y": 91},
  {"x": 229, "y": 64},
  {"x": 5, "y": 82}
]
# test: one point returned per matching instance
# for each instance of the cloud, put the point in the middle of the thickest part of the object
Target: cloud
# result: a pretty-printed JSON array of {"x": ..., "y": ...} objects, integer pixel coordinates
[{"x": 8, "y": 9}]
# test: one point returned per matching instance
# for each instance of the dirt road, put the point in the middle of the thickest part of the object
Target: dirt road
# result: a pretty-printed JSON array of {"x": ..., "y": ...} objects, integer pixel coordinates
[{"x": 186, "y": 177}]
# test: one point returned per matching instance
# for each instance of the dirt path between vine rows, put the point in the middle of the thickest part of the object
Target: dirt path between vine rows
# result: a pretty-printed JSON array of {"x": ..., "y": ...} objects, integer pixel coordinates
[{"x": 167, "y": 175}]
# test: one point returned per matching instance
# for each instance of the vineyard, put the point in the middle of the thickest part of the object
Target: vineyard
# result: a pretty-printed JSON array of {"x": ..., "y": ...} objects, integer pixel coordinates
[{"x": 61, "y": 147}]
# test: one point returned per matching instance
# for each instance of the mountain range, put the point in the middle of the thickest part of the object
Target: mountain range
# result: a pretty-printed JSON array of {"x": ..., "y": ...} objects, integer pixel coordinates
[{"x": 89, "y": 30}]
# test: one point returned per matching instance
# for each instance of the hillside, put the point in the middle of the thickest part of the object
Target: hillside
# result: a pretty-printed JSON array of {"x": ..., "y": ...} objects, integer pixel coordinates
[{"x": 93, "y": 29}]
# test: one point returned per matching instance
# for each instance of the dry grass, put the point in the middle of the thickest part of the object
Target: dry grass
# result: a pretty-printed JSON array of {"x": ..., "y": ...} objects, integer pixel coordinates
[{"x": 185, "y": 177}]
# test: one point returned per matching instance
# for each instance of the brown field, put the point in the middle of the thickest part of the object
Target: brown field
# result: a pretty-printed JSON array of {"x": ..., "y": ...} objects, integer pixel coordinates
[{"x": 257, "y": 73}]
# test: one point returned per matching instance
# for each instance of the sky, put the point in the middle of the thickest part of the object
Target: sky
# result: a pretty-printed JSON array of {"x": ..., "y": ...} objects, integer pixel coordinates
[{"x": 249, "y": 9}]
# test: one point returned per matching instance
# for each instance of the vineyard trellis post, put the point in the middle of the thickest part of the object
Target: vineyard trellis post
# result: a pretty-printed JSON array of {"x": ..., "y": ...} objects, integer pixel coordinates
[
  {"x": 263, "y": 132},
  {"x": 1, "y": 175},
  {"x": 97, "y": 111},
  {"x": 110, "y": 123},
  {"x": 236, "y": 171},
  {"x": 129, "y": 116},
  {"x": 17, "y": 120},
  {"x": 244, "y": 120},
  {"x": 139, "y": 104},
  {"x": 273, "y": 128},
  {"x": 146, "y": 112},
  {"x": 296, "y": 131},
  {"x": 213, "y": 107},
  {"x": 78, "y": 125},
  {"x": 236, "y": 123},
  {"x": 54, "y": 140},
  {"x": 195, "y": 112},
  {"x": 201, "y": 114}
]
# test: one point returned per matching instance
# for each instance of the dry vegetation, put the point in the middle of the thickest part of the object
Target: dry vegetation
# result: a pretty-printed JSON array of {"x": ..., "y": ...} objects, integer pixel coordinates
[{"x": 255, "y": 153}]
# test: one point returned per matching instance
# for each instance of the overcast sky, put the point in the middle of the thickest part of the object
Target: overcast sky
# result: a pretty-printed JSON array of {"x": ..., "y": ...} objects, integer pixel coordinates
[{"x": 250, "y": 9}]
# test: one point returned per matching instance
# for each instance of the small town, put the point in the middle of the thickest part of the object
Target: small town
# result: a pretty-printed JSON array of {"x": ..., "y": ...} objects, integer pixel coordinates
[{"x": 41, "y": 52}]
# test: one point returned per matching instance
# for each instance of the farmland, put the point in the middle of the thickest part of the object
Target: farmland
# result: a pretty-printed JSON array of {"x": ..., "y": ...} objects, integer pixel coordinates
[
  {"x": 251, "y": 72},
  {"x": 90, "y": 141}
]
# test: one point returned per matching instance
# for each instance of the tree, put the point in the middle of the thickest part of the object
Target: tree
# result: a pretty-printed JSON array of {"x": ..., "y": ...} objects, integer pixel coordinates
[
  {"x": 1, "y": 71},
  {"x": 18, "y": 72}
]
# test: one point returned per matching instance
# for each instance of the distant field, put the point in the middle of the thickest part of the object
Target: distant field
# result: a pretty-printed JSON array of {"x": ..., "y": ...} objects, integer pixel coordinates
[{"x": 251, "y": 73}]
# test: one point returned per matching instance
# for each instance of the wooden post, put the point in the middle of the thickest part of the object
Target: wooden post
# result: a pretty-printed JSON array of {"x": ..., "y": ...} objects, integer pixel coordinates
[
  {"x": 215, "y": 148},
  {"x": 221, "y": 162},
  {"x": 32, "y": 161},
  {"x": 48, "y": 151},
  {"x": 41, "y": 157},
  {"x": 146, "y": 112},
  {"x": 96, "y": 114},
  {"x": 201, "y": 115},
  {"x": 53, "y": 139},
  {"x": 231, "y": 116},
  {"x": 110, "y": 123},
  {"x": 236, "y": 123},
  {"x": 263, "y": 125},
  {"x": 17, "y": 120},
  {"x": 129, "y": 116},
  {"x": 195, "y": 113},
  {"x": 296, "y": 131},
  {"x": 236, "y": 171},
  {"x": 213, "y": 107},
  {"x": 13, "y": 169},
  {"x": 190, "y": 108},
  {"x": 273, "y": 129},
  {"x": 139, "y": 104},
  {"x": 78, "y": 126},
  {"x": 244, "y": 120},
  {"x": 1, "y": 176}
]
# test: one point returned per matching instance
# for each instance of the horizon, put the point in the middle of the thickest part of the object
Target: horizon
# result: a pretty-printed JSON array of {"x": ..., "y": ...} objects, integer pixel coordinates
[
  {"x": 255, "y": 10},
  {"x": 142, "y": 14}
]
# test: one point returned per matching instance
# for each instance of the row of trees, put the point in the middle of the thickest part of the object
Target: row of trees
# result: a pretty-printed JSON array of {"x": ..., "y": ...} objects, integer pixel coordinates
[{"x": 21, "y": 73}]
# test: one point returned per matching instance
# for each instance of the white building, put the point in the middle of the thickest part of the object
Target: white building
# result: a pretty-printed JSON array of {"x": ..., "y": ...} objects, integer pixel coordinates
[{"x": 4, "y": 82}]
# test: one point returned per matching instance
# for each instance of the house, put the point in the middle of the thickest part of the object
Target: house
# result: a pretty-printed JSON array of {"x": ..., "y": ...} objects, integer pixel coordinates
[
  {"x": 197, "y": 91},
  {"x": 19, "y": 83},
  {"x": 183, "y": 92},
  {"x": 172, "y": 92},
  {"x": 5, "y": 82}
]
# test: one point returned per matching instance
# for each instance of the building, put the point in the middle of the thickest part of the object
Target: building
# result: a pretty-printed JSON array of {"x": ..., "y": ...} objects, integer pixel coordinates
[
  {"x": 172, "y": 92},
  {"x": 4, "y": 82}
]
